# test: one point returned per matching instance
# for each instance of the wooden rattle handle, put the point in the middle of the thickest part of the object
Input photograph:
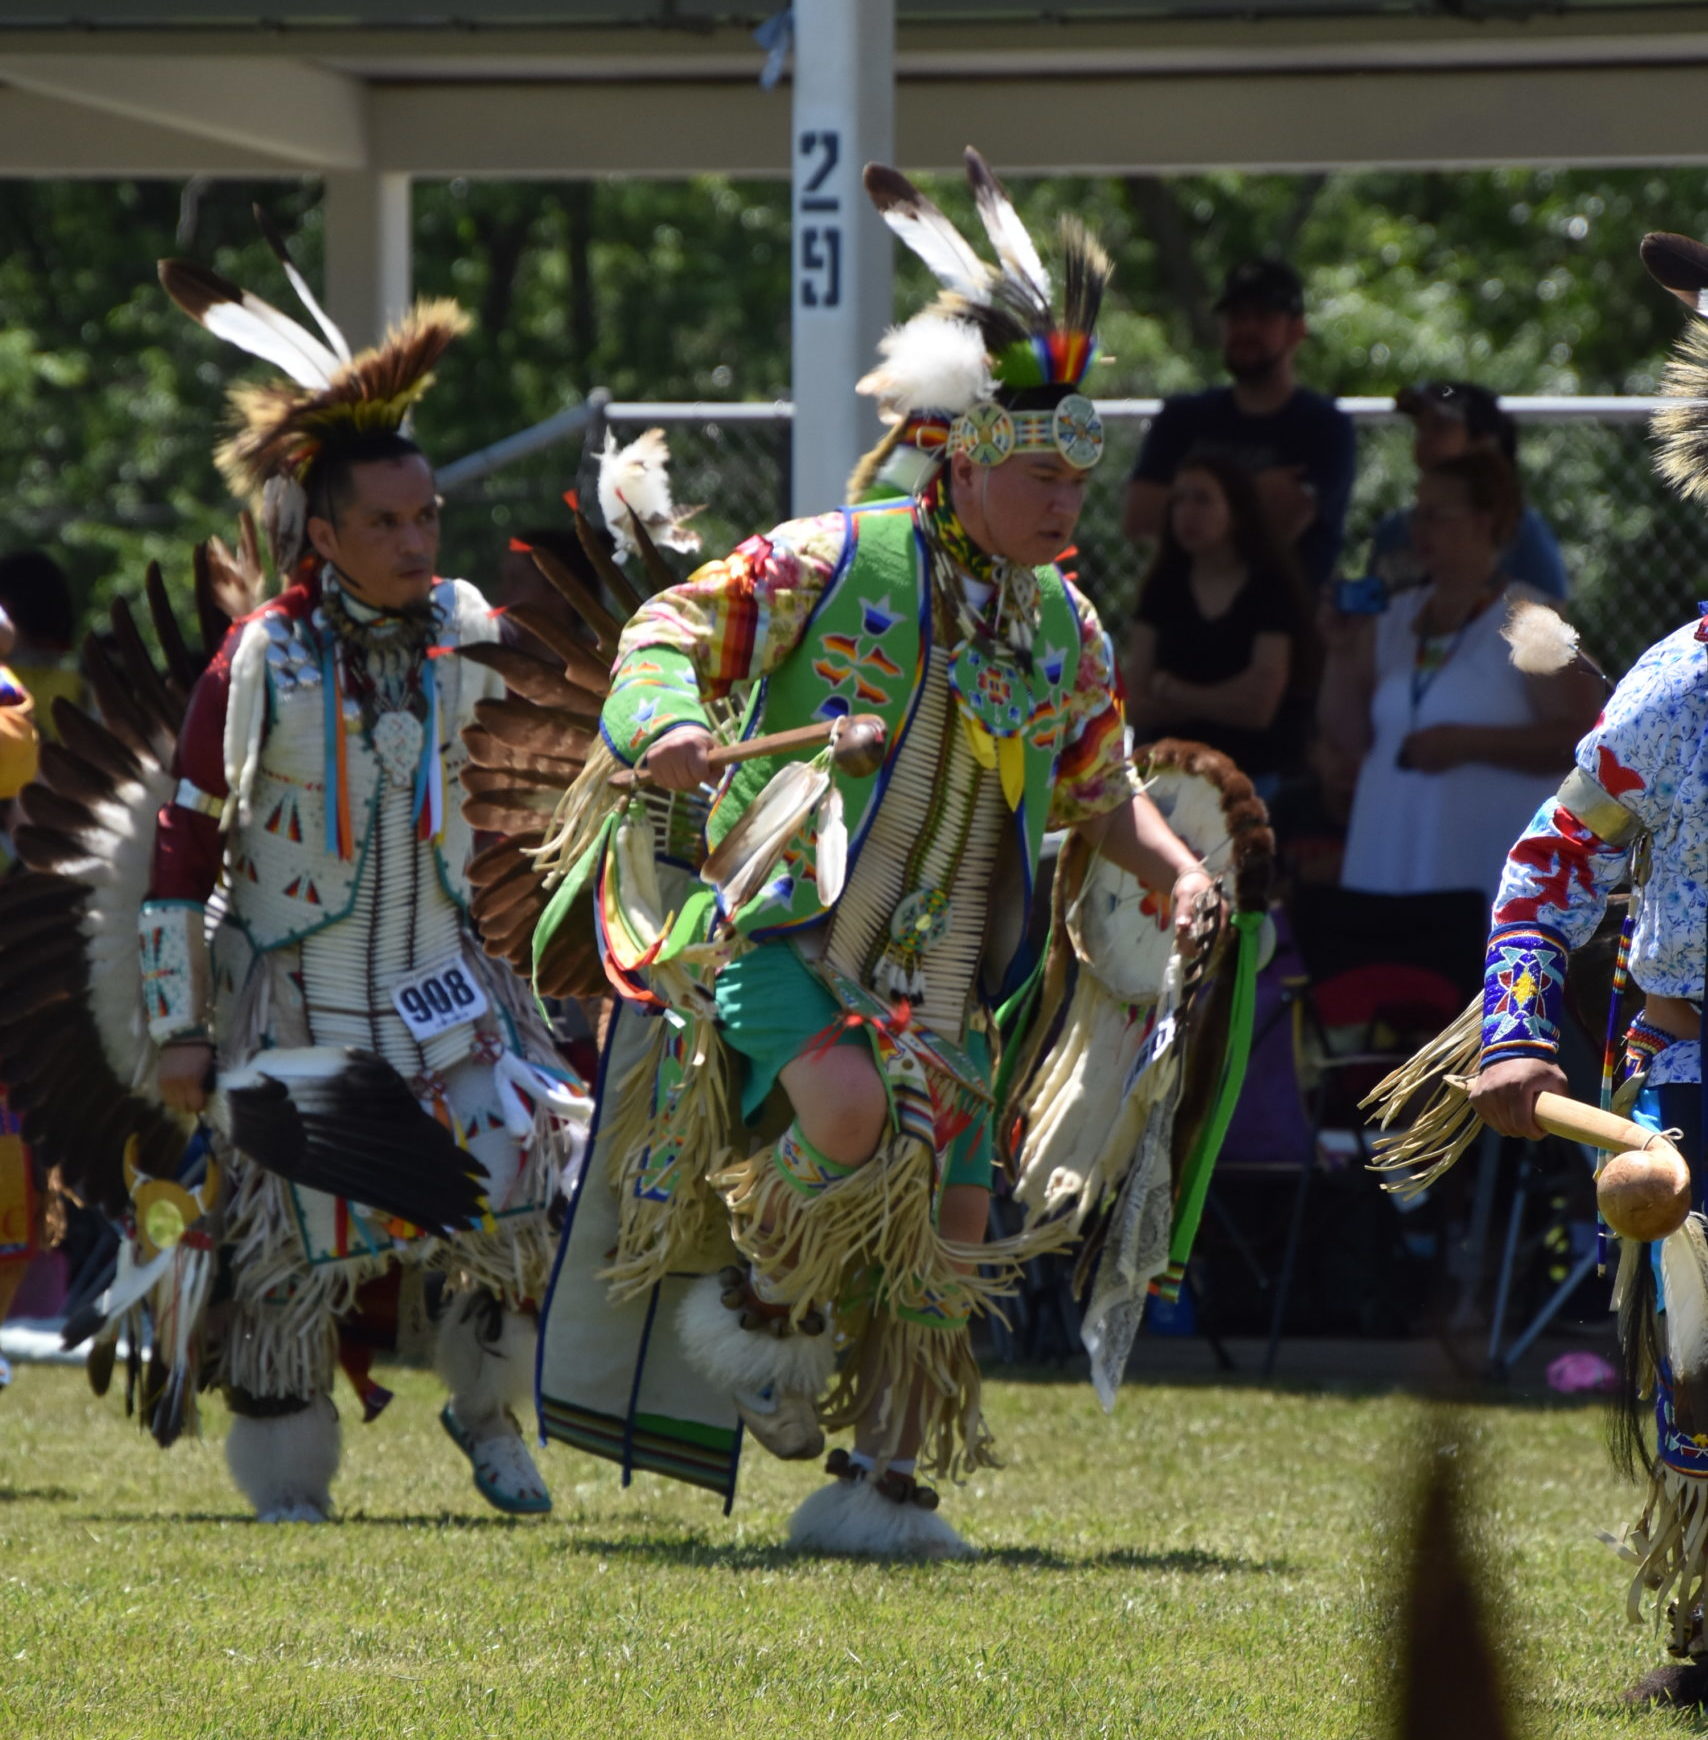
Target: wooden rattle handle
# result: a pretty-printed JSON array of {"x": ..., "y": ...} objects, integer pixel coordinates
[
  {"x": 1577, "y": 1122},
  {"x": 858, "y": 750}
]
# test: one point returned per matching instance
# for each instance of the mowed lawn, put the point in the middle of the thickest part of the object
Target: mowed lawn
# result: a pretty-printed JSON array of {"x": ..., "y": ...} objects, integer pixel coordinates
[{"x": 1215, "y": 1560}]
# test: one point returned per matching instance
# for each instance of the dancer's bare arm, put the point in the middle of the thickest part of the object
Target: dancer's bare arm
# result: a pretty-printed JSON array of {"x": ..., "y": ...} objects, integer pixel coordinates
[{"x": 1504, "y": 1094}]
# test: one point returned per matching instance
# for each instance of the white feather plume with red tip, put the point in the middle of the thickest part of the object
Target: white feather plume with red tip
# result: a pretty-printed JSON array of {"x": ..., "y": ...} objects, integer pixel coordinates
[{"x": 634, "y": 484}]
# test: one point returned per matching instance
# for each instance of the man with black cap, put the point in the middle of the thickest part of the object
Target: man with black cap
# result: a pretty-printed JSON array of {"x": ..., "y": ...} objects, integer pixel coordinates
[
  {"x": 1297, "y": 444},
  {"x": 1450, "y": 418}
]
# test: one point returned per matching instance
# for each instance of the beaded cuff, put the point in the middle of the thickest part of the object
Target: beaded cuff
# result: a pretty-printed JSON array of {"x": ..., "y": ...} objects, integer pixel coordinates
[
  {"x": 172, "y": 944},
  {"x": 1524, "y": 990},
  {"x": 654, "y": 691}
]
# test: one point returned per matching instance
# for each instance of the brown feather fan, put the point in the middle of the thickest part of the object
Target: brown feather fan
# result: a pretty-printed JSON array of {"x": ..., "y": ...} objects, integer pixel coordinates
[
  {"x": 526, "y": 750},
  {"x": 73, "y": 1029},
  {"x": 229, "y": 585}
]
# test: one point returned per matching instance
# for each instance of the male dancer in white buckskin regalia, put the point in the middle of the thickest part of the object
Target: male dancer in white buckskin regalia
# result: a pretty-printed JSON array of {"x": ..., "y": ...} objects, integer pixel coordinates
[{"x": 317, "y": 807}]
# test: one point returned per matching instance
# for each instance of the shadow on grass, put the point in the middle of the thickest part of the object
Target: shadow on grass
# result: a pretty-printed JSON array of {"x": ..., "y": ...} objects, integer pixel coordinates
[
  {"x": 755, "y": 1556},
  {"x": 444, "y": 1519},
  {"x": 1652, "y": 1718},
  {"x": 1462, "y": 1390},
  {"x": 36, "y": 1494},
  {"x": 1192, "y": 1559}
]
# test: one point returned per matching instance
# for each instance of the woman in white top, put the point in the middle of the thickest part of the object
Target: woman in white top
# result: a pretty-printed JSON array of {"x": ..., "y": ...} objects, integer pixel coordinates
[{"x": 1458, "y": 747}]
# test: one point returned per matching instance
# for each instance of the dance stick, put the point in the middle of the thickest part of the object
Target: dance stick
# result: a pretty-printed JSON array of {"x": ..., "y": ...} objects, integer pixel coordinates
[{"x": 858, "y": 747}]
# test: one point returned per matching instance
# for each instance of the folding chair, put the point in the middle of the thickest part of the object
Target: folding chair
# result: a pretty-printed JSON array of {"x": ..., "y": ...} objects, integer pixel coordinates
[{"x": 1382, "y": 974}]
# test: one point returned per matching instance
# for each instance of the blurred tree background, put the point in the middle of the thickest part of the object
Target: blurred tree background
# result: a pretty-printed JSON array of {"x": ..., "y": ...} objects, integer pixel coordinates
[{"x": 1527, "y": 280}]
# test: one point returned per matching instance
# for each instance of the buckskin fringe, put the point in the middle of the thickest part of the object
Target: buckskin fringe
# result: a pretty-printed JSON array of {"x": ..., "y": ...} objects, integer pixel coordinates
[
  {"x": 1446, "y": 1126},
  {"x": 681, "y": 1230},
  {"x": 1669, "y": 1547},
  {"x": 918, "y": 1366},
  {"x": 581, "y": 811},
  {"x": 804, "y": 1239}
]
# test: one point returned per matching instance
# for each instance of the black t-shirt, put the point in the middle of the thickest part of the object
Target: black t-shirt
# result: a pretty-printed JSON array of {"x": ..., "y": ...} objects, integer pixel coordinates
[
  {"x": 1308, "y": 430},
  {"x": 1200, "y": 649}
]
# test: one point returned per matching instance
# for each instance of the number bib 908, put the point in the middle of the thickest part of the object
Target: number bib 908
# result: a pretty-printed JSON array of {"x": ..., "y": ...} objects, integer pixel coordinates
[{"x": 438, "y": 998}]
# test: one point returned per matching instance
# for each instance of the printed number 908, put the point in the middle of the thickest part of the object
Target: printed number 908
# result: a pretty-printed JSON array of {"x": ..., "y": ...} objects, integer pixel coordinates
[{"x": 441, "y": 995}]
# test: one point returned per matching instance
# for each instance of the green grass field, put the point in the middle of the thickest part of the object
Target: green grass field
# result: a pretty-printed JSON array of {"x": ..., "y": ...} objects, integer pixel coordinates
[{"x": 1211, "y": 1561}]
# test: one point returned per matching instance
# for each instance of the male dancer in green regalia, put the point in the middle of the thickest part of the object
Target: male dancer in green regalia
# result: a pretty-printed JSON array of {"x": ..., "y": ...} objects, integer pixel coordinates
[{"x": 843, "y": 969}]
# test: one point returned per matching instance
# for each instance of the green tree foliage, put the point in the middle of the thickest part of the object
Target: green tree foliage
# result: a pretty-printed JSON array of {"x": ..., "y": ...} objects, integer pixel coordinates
[{"x": 1524, "y": 279}]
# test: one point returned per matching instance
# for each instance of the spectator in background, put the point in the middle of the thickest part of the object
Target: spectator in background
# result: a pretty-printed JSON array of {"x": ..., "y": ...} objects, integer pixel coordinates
[
  {"x": 1455, "y": 747},
  {"x": 20, "y": 744},
  {"x": 1223, "y": 646},
  {"x": 35, "y": 594},
  {"x": 1297, "y": 444},
  {"x": 19, "y": 1202},
  {"x": 1450, "y": 418}
]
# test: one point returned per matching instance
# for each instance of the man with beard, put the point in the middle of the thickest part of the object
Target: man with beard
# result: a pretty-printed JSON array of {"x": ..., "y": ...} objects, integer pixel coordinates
[{"x": 1296, "y": 443}]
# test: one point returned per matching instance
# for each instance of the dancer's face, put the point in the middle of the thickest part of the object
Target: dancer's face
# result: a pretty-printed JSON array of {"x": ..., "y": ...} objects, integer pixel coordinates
[
  {"x": 385, "y": 538},
  {"x": 1026, "y": 508}
]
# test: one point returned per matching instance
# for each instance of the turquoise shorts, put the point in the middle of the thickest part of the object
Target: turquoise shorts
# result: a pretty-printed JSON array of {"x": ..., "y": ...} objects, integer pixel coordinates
[{"x": 772, "y": 1007}]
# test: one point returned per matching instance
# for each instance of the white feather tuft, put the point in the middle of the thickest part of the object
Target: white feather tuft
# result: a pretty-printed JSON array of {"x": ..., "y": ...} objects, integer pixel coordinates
[
  {"x": 1542, "y": 641},
  {"x": 634, "y": 483},
  {"x": 933, "y": 363},
  {"x": 284, "y": 1466}
]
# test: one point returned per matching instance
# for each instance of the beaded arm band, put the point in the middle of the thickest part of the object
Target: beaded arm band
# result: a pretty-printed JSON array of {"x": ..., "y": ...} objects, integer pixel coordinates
[
  {"x": 176, "y": 987},
  {"x": 1524, "y": 989}
]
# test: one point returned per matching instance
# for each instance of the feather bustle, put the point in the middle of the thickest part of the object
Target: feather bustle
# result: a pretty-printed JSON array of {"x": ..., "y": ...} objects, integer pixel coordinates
[
  {"x": 611, "y": 576},
  {"x": 585, "y": 664},
  {"x": 538, "y": 680},
  {"x": 181, "y": 664},
  {"x": 600, "y": 622}
]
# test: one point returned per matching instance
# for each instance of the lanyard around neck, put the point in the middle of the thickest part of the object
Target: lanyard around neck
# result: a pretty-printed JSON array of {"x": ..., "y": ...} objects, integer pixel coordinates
[{"x": 1423, "y": 675}]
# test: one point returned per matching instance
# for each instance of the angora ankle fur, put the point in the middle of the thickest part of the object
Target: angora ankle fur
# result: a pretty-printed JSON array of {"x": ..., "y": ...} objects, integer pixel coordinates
[
  {"x": 487, "y": 1374},
  {"x": 850, "y": 1516},
  {"x": 743, "y": 1360},
  {"x": 284, "y": 1465}
]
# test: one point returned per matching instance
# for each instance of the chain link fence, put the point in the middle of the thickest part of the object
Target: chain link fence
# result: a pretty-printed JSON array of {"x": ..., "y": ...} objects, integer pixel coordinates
[{"x": 1631, "y": 547}]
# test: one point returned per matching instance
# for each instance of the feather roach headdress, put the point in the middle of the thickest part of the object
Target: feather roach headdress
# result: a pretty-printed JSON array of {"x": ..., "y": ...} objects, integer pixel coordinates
[
  {"x": 1681, "y": 265},
  {"x": 1026, "y": 398},
  {"x": 284, "y": 427}
]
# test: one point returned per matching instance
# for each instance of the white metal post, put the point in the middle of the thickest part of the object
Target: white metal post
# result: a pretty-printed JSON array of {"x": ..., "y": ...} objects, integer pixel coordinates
[
  {"x": 368, "y": 260},
  {"x": 844, "y": 117}
]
